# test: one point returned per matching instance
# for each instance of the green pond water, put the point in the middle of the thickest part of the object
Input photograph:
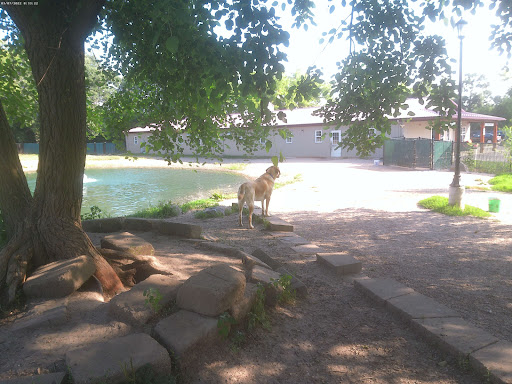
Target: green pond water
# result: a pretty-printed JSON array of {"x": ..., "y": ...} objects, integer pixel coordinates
[{"x": 122, "y": 191}]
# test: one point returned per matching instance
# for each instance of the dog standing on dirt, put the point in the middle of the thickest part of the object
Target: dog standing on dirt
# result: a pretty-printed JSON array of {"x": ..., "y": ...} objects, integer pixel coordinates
[{"x": 260, "y": 190}]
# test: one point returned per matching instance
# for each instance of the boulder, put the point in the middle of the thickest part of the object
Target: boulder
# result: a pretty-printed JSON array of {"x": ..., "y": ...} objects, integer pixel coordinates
[
  {"x": 212, "y": 291},
  {"x": 242, "y": 307},
  {"x": 60, "y": 278},
  {"x": 127, "y": 242}
]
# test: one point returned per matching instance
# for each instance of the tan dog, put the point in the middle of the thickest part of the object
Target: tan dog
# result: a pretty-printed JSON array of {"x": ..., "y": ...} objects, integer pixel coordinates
[{"x": 260, "y": 190}]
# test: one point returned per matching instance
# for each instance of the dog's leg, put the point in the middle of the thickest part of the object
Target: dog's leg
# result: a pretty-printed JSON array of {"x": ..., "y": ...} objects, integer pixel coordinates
[
  {"x": 251, "y": 210},
  {"x": 268, "y": 202},
  {"x": 240, "y": 209},
  {"x": 263, "y": 208}
]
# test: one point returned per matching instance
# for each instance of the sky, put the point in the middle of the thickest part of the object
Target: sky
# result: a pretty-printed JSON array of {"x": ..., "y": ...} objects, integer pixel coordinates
[{"x": 304, "y": 49}]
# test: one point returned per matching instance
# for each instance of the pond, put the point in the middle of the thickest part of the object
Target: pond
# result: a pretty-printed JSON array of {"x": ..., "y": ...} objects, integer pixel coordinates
[{"x": 123, "y": 191}]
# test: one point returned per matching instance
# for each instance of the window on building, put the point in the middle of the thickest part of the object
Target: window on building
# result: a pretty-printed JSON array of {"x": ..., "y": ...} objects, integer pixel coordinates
[
  {"x": 318, "y": 136},
  {"x": 135, "y": 139},
  {"x": 289, "y": 140}
]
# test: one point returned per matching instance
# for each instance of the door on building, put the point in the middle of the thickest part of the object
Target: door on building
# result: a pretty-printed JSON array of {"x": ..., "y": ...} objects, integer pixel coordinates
[{"x": 335, "y": 141}]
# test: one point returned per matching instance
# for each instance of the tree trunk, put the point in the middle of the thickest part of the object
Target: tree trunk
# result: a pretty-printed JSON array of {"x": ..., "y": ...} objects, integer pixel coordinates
[{"x": 54, "y": 34}]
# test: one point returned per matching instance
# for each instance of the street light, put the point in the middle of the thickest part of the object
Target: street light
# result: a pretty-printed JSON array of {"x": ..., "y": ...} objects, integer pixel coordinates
[{"x": 456, "y": 190}]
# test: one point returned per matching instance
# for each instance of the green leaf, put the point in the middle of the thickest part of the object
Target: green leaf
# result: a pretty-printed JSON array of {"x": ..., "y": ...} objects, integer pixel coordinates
[
  {"x": 275, "y": 160},
  {"x": 172, "y": 44},
  {"x": 268, "y": 146}
]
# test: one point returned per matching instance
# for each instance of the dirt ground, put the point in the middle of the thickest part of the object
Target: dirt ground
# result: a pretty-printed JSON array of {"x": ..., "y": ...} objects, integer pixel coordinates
[{"x": 335, "y": 335}]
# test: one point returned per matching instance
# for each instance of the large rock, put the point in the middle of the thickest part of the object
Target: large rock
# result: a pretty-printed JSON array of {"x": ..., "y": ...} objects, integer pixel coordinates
[
  {"x": 212, "y": 291},
  {"x": 242, "y": 307},
  {"x": 127, "y": 242},
  {"x": 60, "y": 278},
  {"x": 110, "y": 361},
  {"x": 130, "y": 306}
]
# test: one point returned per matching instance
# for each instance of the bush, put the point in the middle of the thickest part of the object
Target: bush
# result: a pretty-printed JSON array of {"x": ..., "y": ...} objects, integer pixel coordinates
[{"x": 492, "y": 167}]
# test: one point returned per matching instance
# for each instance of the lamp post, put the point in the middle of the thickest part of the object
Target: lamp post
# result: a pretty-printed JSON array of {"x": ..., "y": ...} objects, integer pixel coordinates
[{"x": 456, "y": 194}]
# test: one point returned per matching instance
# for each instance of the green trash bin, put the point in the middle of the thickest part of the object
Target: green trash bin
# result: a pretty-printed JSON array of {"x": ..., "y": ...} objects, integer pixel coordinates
[{"x": 494, "y": 204}]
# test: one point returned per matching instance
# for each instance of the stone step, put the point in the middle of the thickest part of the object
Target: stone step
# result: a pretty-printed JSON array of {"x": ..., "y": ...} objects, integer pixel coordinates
[
  {"x": 266, "y": 258},
  {"x": 108, "y": 362},
  {"x": 184, "y": 331},
  {"x": 127, "y": 242},
  {"x": 278, "y": 225},
  {"x": 130, "y": 306},
  {"x": 342, "y": 263},
  {"x": 212, "y": 291}
]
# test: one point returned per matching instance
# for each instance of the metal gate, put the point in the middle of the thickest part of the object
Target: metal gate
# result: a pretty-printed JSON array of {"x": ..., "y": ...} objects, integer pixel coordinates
[{"x": 418, "y": 153}]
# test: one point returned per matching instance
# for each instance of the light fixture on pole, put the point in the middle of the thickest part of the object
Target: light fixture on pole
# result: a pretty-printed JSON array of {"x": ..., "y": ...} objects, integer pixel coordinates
[{"x": 456, "y": 190}]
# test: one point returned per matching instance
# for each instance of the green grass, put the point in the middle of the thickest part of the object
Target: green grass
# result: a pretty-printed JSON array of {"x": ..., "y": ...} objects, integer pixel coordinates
[
  {"x": 440, "y": 204},
  {"x": 161, "y": 211},
  {"x": 296, "y": 179},
  {"x": 237, "y": 166},
  {"x": 502, "y": 183}
]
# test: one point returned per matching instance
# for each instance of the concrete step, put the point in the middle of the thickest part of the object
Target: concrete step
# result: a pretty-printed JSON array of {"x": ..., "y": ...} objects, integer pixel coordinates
[
  {"x": 109, "y": 361},
  {"x": 342, "y": 263}
]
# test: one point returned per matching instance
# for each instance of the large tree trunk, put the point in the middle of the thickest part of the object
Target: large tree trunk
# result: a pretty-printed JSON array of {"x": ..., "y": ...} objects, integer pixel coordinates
[{"x": 54, "y": 34}]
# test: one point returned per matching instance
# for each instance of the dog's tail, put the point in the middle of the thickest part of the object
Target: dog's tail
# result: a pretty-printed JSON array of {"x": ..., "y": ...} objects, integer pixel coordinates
[{"x": 241, "y": 192}]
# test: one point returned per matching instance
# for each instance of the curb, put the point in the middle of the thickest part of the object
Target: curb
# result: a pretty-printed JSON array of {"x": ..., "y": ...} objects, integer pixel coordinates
[{"x": 444, "y": 328}]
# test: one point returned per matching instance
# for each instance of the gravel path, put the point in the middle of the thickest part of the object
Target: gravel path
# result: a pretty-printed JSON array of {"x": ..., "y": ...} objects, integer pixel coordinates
[{"x": 371, "y": 211}]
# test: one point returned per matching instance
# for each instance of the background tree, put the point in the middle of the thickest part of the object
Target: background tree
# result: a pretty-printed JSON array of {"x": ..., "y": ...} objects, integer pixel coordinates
[
  {"x": 393, "y": 58},
  {"x": 476, "y": 95},
  {"x": 300, "y": 91},
  {"x": 18, "y": 91},
  {"x": 100, "y": 84}
]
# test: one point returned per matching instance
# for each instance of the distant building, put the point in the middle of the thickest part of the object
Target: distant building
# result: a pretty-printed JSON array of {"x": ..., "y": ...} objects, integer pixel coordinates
[{"x": 311, "y": 137}]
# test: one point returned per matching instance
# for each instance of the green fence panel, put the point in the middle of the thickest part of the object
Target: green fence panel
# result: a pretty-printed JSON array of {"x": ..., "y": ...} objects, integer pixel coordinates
[
  {"x": 418, "y": 153},
  {"x": 443, "y": 151},
  {"x": 423, "y": 151}
]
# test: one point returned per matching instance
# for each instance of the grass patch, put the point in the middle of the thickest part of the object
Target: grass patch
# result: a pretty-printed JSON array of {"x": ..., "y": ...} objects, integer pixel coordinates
[
  {"x": 199, "y": 204},
  {"x": 237, "y": 166},
  {"x": 161, "y": 211},
  {"x": 440, "y": 204},
  {"x": 502, "y": 183},
  {"x": 297, "y": 178}
]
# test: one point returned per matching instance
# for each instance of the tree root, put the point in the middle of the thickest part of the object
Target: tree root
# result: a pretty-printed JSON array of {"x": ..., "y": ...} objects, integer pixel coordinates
[{"x": 132, "y": 269}]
